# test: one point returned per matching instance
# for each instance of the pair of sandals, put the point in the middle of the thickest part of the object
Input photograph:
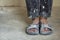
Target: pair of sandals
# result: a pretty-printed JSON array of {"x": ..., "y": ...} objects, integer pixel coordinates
[{"x": 35, "y": 29}]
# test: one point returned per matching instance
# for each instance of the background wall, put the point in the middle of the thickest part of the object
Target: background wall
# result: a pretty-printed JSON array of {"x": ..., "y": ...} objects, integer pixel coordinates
[{"x": 22, "y": 3}]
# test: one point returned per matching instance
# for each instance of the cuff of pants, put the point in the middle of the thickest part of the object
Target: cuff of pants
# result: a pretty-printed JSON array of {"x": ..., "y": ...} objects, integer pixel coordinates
[
  {"x": 45, "y": 14},
  {"x": 42, "y": 14}
]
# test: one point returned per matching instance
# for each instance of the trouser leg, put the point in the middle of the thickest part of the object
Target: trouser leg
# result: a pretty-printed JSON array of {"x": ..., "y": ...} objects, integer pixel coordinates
[
  {"x": 45, "y": 8},
  {"x": 33, "y": 7}
]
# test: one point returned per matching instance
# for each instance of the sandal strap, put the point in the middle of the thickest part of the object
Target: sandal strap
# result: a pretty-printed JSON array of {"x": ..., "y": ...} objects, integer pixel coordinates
[
  {"x": 33, "y": 26},
  {"x": 46, "y": 25}
]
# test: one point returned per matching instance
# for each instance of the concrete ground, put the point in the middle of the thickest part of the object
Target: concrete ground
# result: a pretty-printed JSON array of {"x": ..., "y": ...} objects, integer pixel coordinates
[{"x": 14, "y": 20}]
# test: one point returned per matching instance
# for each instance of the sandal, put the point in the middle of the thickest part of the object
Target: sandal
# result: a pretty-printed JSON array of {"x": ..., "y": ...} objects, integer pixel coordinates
[
  {"x": 33, "y": 29},
  {"x": 45, "y": 29}
]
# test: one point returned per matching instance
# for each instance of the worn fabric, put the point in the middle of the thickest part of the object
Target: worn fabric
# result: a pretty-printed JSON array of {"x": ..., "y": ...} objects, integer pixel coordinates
[{"x": 38, "y": 8}]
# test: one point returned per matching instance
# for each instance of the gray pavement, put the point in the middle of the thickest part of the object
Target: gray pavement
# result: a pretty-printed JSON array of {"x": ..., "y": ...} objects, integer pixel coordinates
[{"x": 14, "y": 20}]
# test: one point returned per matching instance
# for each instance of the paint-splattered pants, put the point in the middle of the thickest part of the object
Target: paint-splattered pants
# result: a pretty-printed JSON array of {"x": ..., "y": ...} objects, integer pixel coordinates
[{"x": 38, "y": 8}]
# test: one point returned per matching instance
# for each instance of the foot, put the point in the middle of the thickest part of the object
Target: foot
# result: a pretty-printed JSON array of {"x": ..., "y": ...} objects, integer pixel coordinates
[
  {"x": 33, "y": 29},
  {"x": 45, "y": 29}
]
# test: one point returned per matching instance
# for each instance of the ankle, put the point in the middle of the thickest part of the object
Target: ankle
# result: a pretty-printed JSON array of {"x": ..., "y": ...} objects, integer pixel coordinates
[
  {"x": 36, "y": 21},
  {"x": 44, "y": 21}
]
